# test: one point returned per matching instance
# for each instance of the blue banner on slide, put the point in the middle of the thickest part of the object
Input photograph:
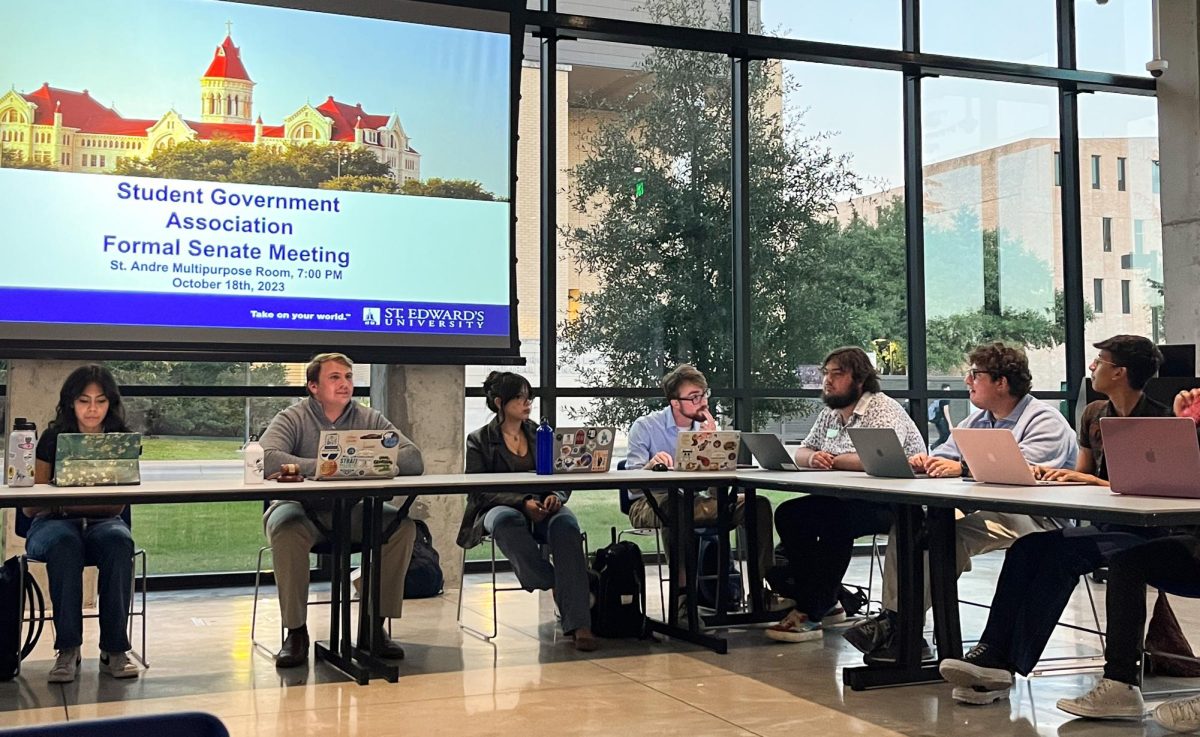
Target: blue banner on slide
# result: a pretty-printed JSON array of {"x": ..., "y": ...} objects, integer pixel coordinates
[{"x": 153, "y": 309}]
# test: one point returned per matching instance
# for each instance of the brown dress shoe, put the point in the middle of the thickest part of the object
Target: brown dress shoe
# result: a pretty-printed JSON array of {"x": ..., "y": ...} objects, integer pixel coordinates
[
  {"x": 388, "y": 648},
  {"x": 294, "y": 651},
  {"x": 585, "y": 641}
]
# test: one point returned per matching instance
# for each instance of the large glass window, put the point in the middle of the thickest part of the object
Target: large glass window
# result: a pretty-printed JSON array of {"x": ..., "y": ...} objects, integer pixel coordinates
[
  {"x": 647, "y": 221},
  {"x": 1019, "y": 30},
  {"x": 826, "y": 220},
  {"x": 1113, "y": 36},
  {"x": 993, "y": 256},
  {"x": 861, "y": 23},
  {"x": 711, "y": 14},
  {"x": 1122, "y": 230}
]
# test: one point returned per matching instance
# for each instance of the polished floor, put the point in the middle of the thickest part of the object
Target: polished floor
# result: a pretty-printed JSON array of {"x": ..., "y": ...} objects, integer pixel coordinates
[{"x": 530, "y": 681}]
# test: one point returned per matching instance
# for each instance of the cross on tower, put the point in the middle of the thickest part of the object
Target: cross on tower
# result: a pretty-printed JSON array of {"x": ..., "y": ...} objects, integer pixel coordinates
[{"x": 228, "y": 28}]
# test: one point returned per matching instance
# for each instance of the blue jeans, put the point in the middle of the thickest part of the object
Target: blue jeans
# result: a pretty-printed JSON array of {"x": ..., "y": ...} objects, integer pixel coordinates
[
  {"x": 66, "y": 546},
  {"x": 519, "y": 540}
]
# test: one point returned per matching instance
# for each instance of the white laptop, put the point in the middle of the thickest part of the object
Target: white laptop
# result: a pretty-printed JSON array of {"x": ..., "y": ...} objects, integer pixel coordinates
[
  {"x": 1152, "y": 456},
  {"x": 357, "y": 454},
  {"x": 707, "y": 450},
  {"x": 994, "y": 458},
  {"x": 881, "y": 454}
]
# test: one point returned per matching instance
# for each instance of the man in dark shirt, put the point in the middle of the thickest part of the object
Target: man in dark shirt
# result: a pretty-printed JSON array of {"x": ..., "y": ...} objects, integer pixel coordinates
[{"x": 1042, "y": 569}]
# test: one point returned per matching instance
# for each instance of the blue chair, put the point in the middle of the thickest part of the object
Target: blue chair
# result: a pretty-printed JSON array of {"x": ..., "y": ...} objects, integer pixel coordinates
[
  {"x": 181, "y": 724},
  {"x": 22, "y": 523}
]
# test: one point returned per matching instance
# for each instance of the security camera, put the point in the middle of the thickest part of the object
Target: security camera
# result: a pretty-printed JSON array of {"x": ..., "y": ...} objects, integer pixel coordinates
[
  {"x": 1156, "y": 67},
  {"x": 1102, "y": 2}
]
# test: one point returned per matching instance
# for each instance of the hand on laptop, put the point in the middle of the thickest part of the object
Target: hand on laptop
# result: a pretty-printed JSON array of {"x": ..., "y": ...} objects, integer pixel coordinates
[
  {"x": 918, "y": 461},
  {"x": 662, "y": 457},
  {"x": 942, "y": 468},
  {"x": 1041, "y": 473}
]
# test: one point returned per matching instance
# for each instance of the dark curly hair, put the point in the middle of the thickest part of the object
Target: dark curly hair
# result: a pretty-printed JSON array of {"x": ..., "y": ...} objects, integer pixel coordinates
[
  {"x": 1003, "y": 361},
  {"x": 1140, "y": 358},
  {"x": 855, "y": 360},
  {"x": 73, "y": 388},
  {"x": 501, "y": 387}
]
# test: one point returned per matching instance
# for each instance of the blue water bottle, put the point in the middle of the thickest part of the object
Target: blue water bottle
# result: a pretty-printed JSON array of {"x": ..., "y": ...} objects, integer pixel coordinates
[{"x": 545, "y": 448}]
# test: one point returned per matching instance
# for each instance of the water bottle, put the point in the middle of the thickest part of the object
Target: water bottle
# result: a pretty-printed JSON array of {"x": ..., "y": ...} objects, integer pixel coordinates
[
  {"x": 21, "y": 444},
  {"x": 252, "y": 459},
  {"x": 545, "y": 448}
]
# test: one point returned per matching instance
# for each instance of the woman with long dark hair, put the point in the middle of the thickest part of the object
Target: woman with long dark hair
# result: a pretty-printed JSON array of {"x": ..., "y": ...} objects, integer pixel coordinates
[
  {"x": 520, "y": 521},
  {"x": 70, "y": 537}
]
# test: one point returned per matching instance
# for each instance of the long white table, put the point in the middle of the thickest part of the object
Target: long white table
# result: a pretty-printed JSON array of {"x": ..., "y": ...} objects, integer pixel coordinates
[{"x": 910, "y": 497}]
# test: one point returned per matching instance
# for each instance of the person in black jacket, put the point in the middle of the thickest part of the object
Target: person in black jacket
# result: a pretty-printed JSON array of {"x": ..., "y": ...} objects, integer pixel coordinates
[{"x": 520, "y": 522}]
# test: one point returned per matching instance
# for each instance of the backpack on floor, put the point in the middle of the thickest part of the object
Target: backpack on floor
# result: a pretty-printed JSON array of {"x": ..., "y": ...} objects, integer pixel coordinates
[
  {"x": 13, "y": 603},
  {"x": 706, "y": 586},
  {"x": 620, "y": 590},
  {"x": 424, "y": 577}
]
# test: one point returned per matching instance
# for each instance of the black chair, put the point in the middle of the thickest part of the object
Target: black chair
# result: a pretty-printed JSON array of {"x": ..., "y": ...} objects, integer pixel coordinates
[
  {"x": 322, "y": 549},
  {"x": 181, "y": 724},
  {"x": 21, "y": 526}
]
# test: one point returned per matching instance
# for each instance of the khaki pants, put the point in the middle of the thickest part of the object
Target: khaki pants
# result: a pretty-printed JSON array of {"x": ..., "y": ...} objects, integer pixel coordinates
[
  {"x": 292, "y": 535},
  {"x": 975, "y": 534},
  {"x": 705, "y": 511}
]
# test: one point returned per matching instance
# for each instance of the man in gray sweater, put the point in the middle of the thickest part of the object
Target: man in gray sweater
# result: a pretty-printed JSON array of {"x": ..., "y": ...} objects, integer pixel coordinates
[{"x": 294, "y": 527}]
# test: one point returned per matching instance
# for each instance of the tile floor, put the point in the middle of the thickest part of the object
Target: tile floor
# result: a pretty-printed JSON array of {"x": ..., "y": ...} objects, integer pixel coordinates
[{"x": 530, "y": 681}]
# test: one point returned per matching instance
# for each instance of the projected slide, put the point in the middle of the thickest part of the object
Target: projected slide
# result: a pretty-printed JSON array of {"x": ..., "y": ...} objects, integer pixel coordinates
[{"x": 189, "y": 170}]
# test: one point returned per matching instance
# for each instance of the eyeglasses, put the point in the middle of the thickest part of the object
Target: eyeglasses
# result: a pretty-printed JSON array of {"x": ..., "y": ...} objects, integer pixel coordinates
[
  {"x": 527, "y": 399},
  {"x": 974, "y": 374},
  {"x": 695, "y": 398},
  {"x": 1098, "y": 359}
]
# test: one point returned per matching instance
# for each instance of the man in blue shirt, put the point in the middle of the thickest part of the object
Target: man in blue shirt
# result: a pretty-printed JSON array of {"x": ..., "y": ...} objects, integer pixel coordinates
[
  {"x": 998, "y": 382},
  {"x": 652, "y": 441}
]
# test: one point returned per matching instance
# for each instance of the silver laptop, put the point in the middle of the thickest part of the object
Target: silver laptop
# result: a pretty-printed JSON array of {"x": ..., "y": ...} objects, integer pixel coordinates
[
  {"x": 707, "y": 450},
  {"x": 357, "y": 454},
  {"x": 994, "y": 458},
  {"x": 1152, "y": 456},
  {"x": 770, "y": 453},
  {"x": 881, "y": 454},
  {"x": 583, "y": 449}
]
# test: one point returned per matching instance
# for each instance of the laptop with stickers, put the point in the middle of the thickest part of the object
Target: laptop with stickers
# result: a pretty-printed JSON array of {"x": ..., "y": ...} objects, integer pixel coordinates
[
  {"x": 357, "y": 454},
  {"x": 707, "y": 450},
  {"x": 583, "y": 449}
]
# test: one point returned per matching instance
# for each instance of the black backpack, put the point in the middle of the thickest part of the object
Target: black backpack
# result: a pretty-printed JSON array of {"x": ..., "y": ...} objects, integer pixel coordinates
[
  {"x": 620, "y": 590},
  {"x": 424, "y": 577},
  {"x": 706, "y": 586},
  {"x": 12, "y": 605}
]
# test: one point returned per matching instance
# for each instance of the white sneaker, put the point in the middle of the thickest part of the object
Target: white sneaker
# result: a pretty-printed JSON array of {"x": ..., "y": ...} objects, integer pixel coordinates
[
  {"x": 978, "y": 696},
  {"x": 1108, "y": 700},
  {"x": 118, "y": 665},
  {"x": 776, "y": 603},
  {"x": 795, "y": 627},
  {"x": 836, "y": 615},
  {"x": 66, "y": 663},
  {"x": 1181, "y": 715}
]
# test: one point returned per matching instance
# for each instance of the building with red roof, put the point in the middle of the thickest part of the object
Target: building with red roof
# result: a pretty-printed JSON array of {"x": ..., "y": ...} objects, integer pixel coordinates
[{"x": 72, "y": 131}]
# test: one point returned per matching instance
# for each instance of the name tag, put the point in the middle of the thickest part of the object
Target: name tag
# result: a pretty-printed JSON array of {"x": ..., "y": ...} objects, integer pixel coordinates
[{"x": 832, "y": 433}]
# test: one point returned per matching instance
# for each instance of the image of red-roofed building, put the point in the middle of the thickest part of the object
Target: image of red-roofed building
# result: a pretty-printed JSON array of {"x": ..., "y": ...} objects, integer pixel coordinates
[{"x": 70, "y": 130}]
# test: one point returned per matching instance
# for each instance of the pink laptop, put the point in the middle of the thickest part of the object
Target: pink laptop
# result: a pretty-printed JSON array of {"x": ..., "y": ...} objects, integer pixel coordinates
[{"x": 1152, "y": 456}]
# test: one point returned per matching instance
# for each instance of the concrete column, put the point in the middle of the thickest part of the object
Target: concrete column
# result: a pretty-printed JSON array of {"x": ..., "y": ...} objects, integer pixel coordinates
[
  {"x": 1179, "y": 157},
  {"x": 33, "y": 388},
  {"x": 426, "y": 403}
]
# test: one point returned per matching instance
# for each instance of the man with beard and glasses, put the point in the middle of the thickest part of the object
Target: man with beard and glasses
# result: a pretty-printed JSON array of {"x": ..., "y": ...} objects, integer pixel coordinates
[
  {"x": 998, "y": 382},
  {"x": 652, "y": 440},
  {"x": 818, "y": 532}
]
